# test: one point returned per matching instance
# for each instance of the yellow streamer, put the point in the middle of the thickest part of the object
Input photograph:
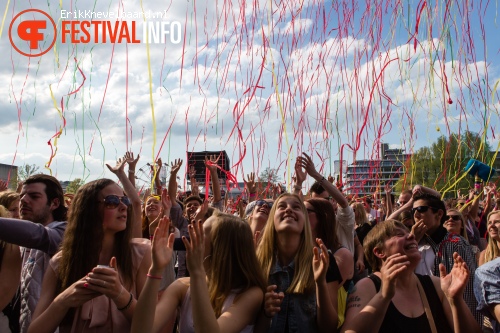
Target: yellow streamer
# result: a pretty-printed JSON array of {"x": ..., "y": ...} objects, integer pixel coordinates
[{"x": 4, "y": 16}]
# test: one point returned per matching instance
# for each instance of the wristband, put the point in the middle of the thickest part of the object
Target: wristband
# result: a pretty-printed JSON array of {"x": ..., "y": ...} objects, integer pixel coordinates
[
  {"x": 153, "y": 277},
  {"x": 297, "y": 187},
  {"x": 128, "y": 304},
  {"x": 131, "y": 171}
]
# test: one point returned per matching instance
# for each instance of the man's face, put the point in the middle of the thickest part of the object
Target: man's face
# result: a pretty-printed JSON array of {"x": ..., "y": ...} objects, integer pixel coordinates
[
  {"x": 34, "y": 204},
  {"x": 404, "y": 198}
]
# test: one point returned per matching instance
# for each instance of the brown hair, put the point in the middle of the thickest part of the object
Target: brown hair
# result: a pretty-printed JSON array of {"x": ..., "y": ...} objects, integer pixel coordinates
[
  {"x": 53, "y": 190},
  {"x": 326, "y": 228},
  {"x": 233, "y": 264},
  {"x": 376, "y": 238},
  {"x": 8, "y": 197}
]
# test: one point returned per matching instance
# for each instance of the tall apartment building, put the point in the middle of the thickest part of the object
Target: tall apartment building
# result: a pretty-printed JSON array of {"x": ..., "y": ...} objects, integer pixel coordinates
[{"x": 364, "y": 177}]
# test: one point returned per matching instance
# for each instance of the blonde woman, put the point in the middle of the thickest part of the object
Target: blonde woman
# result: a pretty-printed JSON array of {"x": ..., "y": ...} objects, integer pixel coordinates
[
  {"x": 298, "y": 297},
  {"x": 225, "y": 289},
  {"x": 492, "y": 250}
]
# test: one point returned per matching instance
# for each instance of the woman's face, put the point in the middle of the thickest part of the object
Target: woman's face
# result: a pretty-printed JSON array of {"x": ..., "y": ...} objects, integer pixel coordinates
[
  {"x": 289, "y": 216},
  {"x": 153, "y": 207},
  {"x": 14, "y": 209},
  {"x": 313, "y": 218},
  {"x": 494, "y": 226},
  {"x": 114, "y": 219},
  {"x": 402, "y": 242},
  {"x": 453, "y": 222}
]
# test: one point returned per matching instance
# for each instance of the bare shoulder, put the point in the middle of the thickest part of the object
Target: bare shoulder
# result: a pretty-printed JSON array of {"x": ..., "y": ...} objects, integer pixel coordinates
[
  {"x": 253, "y": 294},
  {"x": 361, "y": 294}
]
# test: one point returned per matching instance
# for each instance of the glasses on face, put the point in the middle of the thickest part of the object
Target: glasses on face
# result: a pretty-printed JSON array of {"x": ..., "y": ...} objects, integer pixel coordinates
[
  {"x": 421, "y": 209},
  {"x": 261, "y": 203},
  {"x": 453, "y": 217},
  {"x": 113, "y": 201},
  {"x": 460, "y": 204}
]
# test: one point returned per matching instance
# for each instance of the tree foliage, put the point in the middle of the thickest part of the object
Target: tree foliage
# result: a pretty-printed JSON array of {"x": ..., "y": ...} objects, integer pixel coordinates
[
  {"x": 74, "y": 185},
  {"x": 269, "y": 175},
  {"x": 441, "y": 166},
  {"x": 26, "y": 171}
]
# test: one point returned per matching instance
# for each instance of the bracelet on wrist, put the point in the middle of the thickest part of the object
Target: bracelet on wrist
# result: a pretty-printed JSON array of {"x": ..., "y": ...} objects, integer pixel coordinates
[
  {"x": 126, "y": 307},
  {"x": 297, "y": 187},
  {"x": 131, "y": 171},
  {"x": 155, "y": 277}
]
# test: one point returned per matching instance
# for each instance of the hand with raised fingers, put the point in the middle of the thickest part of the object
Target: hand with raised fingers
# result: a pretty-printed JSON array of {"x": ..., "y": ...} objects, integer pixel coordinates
[
  {"x": 417, "y": 190},
  {"x": 211, "y": 164},
  {"x": 387, "y": 188},
  {"x": 195, "y": 189},
  {"x": 175, "y": 166},
  {"x": 195, "y": 248},
  {"x": 391, "y": 269},
  {"x": 105, "y": 280},
  {"x": 3, "y": 185},
  {"x": 250, "y": 183},
  {"x": 419, "y": 229},
  {"x": 453, "y": 284},
  {"x": 131, "y": 161},
  {"x": 162, "y": 247},
  {"x": 272, "y": 301},
  {"x": 306, "y": 162},
  {"x": 330, "y": 179},
  {"x": 119, "y": 167},
  {"x": 320, "y": 262},
  {"x": 192, "y": 172},
  {"x": 300, "y": 174}
]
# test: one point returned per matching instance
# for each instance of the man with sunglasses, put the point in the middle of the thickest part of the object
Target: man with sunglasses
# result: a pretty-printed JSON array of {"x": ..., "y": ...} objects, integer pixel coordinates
[
  {"x": 438, "y": 245},
  {"x": 39, "y": 234}
]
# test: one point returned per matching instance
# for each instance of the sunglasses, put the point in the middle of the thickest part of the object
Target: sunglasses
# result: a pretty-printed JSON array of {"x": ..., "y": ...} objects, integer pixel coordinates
[
  {"x": 460, "y": 203},
  {"x": 261, "y": 203},
  {"x": 421, "y": 209},
  {"x": 113, "y": 201},
  {"x": 453, "y": 217}
]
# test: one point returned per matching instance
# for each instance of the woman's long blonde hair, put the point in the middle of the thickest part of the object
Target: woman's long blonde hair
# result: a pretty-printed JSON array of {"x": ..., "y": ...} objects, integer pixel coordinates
[
  {"x": 303, "y": 278},
  {"x": 492, "y": 250}
]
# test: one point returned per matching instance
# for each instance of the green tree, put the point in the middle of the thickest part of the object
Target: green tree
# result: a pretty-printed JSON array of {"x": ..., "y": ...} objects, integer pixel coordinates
[
  {"x": 269, "y": 175},
  {"x": 441, "y": 165},
  {"x": 26, "y": 171},
  {"x": 74, "y": 185}
]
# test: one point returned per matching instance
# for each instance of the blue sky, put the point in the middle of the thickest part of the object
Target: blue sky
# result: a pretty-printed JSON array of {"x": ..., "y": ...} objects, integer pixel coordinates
[{"x": 264, "y": 82}]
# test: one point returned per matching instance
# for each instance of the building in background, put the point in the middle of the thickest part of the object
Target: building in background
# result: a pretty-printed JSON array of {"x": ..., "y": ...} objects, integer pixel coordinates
[
  {"x": 9, "y": 173},
  {"x": 364, "y": 177}
]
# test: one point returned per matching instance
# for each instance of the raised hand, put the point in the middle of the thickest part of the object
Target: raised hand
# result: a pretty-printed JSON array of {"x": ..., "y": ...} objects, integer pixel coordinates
[
  {"x": 211, "y": 164},
  {"x": 175, "y": 166},
  {"x": 118, "y": 168},
  {"x": 272, "y": 301},
  {"x": 131, "y": 161},
  {"x": 195, "y": 248},
  {"x": 3, "y": 185},
  {"x": 306, "y": 162},
  {"x": 299, "y": 173},
  {"x": 161, "y": 247},
  {"x": 250, "y": 182},
  {"x": 453, "y": 284},
  {"x": 192, "y": 171},
  {"x": 419, "y": 229},
  {"x": 200, "y": 212},
  {"x": 390, "y": 270},
  {"x": 105, "y": 280},
  {"x": 166, "y": 203},
  {"x": 320, "y": 262},
  {"x": 387, "y": 188}
]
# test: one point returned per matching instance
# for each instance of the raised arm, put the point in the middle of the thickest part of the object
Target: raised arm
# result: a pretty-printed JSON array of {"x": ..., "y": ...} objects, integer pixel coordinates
[
  {"x": 251, "y": 186},
  {"x": 300, "y": 177},
  {"x": 326, "y": 293},
  {"x": 131, "y": 192},
  {"x": 161, "y": 253},
  {"x": 175, "y": 166},
  {"x": 195, "y": 190},
  {"x": 211, "y": 165},
  {"x": 306, "y": 162},
  {"x": 132, "y": 162},
  {"x": 388, "y": 199},
  {"x": 453, "y": 286}
]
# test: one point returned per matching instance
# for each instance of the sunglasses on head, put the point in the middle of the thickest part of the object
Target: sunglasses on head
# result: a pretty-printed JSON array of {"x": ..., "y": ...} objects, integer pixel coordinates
[
  {"x": 113, "y": 201},
  {"x": 421, "y": 209},
  {"x": 261, "y": 203},
  {"x": 460, "y": 203},
  {"x": 453, "y": 217}
]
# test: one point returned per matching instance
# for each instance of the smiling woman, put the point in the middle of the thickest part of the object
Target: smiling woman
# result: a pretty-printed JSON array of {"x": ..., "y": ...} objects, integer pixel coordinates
[{"x": 395, "y": 299}]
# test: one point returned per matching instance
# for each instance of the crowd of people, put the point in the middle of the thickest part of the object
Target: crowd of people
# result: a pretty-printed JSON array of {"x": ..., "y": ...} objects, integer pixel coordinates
[{"x": 111, "y": 258}]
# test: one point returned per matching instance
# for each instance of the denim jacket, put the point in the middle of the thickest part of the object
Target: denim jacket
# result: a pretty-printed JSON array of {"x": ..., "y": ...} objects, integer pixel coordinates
[{"x": 298, "y": 311}]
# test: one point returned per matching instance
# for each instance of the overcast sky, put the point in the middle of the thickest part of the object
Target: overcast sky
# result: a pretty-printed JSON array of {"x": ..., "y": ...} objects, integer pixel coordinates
[{"x": 263, "y": 80}]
